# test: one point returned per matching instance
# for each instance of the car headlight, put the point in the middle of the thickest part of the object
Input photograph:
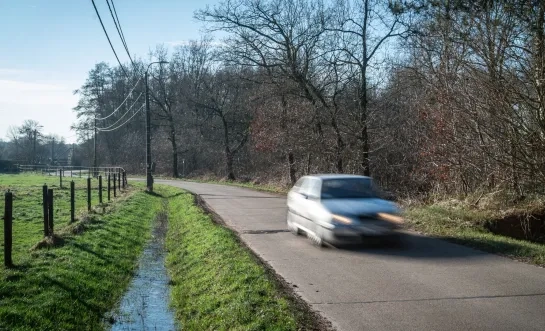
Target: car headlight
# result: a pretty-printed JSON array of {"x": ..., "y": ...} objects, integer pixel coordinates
[
  {"x": 342, "y": 219},
  {"x": 390, "y": 218}
]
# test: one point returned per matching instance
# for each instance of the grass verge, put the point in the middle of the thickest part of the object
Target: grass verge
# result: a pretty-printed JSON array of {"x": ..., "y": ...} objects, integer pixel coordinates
[
  {"x": 463, "y": 225},
  {"x": 71, "y": 286},
  {"x": 217, "y": 283}
]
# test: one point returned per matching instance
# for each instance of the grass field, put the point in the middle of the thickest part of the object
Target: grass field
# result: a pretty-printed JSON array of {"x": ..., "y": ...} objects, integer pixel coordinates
[
  {"x": 70, "y": 286},
  {"x": 217, "y": 283},
  {"x": 27, "y": 205}
]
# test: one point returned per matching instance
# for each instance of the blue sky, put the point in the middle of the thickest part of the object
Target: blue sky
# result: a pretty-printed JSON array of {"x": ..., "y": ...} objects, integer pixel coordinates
[{"x": 49, "y": 46}]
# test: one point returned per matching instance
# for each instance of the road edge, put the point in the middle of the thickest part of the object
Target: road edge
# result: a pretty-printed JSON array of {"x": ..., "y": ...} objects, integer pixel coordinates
[{"x": 311, "y": 318}]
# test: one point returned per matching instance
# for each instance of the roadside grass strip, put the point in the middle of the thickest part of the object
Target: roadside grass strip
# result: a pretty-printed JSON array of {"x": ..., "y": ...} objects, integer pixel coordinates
[
  {"x": 72, "y": 284},
  {"x": 464, "y": 226},
  {"x": 217, "y": 283}
]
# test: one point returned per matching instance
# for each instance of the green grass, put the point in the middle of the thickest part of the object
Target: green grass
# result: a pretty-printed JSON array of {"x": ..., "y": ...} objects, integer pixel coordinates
[
  {"x": 217, "y": 283},
  {"x": 464, "y": 225},
  {"x": 70, "y": 286},
  {"x": 27, "y": 204}
]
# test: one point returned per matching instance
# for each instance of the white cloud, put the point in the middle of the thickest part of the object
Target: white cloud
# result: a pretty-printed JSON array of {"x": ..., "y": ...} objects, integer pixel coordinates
[
  {"x": 46, "y": 102},
  {"x": 15, "y": 92}
]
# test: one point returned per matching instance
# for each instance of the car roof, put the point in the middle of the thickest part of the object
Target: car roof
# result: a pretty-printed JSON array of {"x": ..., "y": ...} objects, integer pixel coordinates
[{"x": 336, "y": 176}]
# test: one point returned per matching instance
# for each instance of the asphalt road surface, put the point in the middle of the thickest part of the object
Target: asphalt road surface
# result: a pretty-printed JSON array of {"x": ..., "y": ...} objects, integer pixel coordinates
[{"x": 427, "y": 284}]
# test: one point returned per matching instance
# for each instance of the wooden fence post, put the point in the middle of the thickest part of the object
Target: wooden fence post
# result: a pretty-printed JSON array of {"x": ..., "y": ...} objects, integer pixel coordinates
[
  {"x": 89, "y": 194},
  {"x": 50, "y": 223},
  {"x": 119, "y": 180},
  {"x": 60, "y": 177},
  {"x": 45, "y": 200},
  {"x": 72, "y": 202},
  {"x": 115, "y": 181},
  {"x": 109, "y": 186},
  {"x": 100, "y": 189},
  {"x": 8, "y": 235}
]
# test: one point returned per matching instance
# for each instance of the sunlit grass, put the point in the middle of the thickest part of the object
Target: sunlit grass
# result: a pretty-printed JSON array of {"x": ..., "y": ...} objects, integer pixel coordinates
[
  {"x": 466, "y": 226},
  {"x": 217, "y": 283},
  {"x": 70, "y": 286}
]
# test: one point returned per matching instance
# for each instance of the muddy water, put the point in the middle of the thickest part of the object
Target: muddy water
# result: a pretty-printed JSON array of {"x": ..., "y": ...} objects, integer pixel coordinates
[{"x": 145, "y": 305}]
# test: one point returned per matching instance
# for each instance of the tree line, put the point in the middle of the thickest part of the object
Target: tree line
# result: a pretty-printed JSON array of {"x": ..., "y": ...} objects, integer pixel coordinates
[
  {"x": 28, "y": 144},
  {"x": 423, "y": 95}
]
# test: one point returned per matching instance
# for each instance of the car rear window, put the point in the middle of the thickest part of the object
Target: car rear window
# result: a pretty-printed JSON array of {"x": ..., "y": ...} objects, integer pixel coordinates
[{"x": 347, "y": 188}]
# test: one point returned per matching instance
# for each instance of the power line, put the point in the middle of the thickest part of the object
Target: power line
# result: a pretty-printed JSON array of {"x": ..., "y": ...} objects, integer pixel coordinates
[
  {"x": 125, "y": 121},
  {"x": 109, "y": 41},
  {"x": 121, "y": 117},
  {"x": 119, "y": 29},
  {"x": 126, "y": 98}
]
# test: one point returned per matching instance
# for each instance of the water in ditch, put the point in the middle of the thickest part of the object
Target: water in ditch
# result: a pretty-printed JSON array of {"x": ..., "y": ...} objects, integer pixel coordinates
[{"x": 145, "y": 305}]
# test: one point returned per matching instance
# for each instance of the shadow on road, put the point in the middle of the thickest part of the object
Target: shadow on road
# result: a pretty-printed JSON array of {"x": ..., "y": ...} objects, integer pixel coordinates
[{"x": 415, "y": 246}]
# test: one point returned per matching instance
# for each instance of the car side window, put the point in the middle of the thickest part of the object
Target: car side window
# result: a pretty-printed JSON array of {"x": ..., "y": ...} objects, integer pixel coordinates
[
  {"x": 315, "y": 188},
  {"x": 298, "y": 184},
  {"x": 311, "y": 187}
]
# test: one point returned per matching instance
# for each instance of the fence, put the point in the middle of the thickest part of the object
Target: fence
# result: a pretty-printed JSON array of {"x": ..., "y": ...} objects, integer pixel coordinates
[
  {"x": 115, "y": 174},
  {"x": 72, "y": 171}
]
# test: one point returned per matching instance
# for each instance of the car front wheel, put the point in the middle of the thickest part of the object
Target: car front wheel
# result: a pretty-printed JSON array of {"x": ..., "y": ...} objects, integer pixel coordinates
[{"x": 291, "y": 225}]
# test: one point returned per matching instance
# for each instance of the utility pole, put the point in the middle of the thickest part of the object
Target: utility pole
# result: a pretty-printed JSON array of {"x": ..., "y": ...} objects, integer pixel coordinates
[
  {"x": 34, "y": 147},
  {"x": 73, "y": 155},
  {"x": 149, "y": 177},
  {"x": 95, "y": 146},
  {"x": 52, "y": 149}
]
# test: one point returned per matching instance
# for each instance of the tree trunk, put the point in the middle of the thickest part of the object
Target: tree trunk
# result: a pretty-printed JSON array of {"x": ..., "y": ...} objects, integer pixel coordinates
[
  {"x": 339, "y": 148},
  {"x": 290, "y": 158},
  {"x": 228, "y": 152},
  {"x": 229, "y": 164},
  {"x": 364, "y": 133},
  {"x": 291, "y": 162},
  {"x": 175, "y": 172}
]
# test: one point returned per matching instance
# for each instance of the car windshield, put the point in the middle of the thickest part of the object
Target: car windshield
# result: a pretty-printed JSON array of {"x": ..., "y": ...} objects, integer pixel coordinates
[{"x": 347, "y": 188}]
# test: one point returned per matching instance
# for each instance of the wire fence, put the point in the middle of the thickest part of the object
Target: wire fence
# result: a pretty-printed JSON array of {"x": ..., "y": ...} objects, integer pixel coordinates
[
  {"x": 40, "y": 207},
  {"x": 71, "y": 171}
]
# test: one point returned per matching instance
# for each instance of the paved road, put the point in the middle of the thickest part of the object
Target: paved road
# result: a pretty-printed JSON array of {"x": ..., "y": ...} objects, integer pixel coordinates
[{"x": 427, "y": 285}]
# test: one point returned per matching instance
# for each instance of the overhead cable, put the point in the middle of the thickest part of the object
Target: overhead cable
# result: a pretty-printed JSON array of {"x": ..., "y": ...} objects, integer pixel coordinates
[
  {"x": 122, "y": 116},
  {"x": 109, "y": 130},
  {"x": 109, "y": 41},
  {"x": 127, "y": 97},
  {"x": 117, "y": 24}
]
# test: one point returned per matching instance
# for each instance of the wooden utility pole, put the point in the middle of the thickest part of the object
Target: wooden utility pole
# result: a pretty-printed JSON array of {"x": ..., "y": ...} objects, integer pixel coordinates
[
  {"x": 34, "y": 147},
  {"x": 149, "y": 178},
  {"x": 52, "y": 150},
  {"x": 95, "y": 148}
]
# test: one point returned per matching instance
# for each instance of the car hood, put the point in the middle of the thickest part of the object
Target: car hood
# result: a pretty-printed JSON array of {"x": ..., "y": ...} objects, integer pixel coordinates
[{"x": 359, "y": 207}]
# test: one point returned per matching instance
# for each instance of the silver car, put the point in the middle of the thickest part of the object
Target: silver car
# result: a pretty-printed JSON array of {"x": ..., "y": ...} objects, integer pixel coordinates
[{"x": 340, "y": 209}]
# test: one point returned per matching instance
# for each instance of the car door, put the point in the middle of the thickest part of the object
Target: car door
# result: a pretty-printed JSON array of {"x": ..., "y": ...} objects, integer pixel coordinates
[
  {"x": 296, "y": 200},
  {"x": 309, "y": 202}
]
